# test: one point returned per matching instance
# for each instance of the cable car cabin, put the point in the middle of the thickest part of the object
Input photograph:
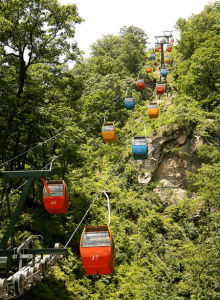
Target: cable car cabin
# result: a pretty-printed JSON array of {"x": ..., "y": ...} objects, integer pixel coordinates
[
  {"x": 166, "y": 60},
  {"x": 140, "y": 84},
  {"x": 160, "y": 88},
  {"x": 57, "y": 201},
  {"x": 152, "y": 110},
  {"x": 139, "y": 147},
  {"x": 108, "y": 133},
  {"x": 168, "y": 48},
  {"x": 163, "y": 72},
  {"x": 156, "y": 49},
  {"x": 97, "y": 250},
  {"x": 152, "y": 56},
  {"x": 148, "y": 69},
  {"x": 129, "y": 102}
]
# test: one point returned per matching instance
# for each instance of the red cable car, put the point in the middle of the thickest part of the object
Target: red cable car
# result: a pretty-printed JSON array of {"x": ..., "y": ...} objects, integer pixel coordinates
[
  {"x": 156, "y": 49},
  {"x": 55, "y": 197},
  {"x": 140, "y": 84},
  {"x": 168, "y": 48},
  {"x": 148, "y": 69},
  {"x": 160, "y": 88},
  {"x": 97, "y": 250},
  {"x": 108, "y": 133}
]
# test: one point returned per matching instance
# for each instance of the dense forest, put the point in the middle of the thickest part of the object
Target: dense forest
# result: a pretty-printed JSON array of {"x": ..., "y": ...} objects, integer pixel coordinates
[{"x": 165, "y": 210}]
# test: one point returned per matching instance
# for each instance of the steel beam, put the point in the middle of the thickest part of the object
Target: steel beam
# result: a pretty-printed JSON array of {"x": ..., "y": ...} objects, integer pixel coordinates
[
  {"x": 53, "y": 251},
  {"x": 16, "y": 213}
]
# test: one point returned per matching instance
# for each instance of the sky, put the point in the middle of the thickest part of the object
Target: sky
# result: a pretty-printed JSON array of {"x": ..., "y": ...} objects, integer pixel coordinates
[{"x": 109, "y": 16}]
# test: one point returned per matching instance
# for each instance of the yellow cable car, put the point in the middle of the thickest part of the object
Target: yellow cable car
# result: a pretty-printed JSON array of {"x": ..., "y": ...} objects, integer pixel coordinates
[
  {"x": 108, "y": 132},
  {"x": 153, "y": 110},
  {"x": 148, "y": 69},
  {"x": 166, "y": 60}
]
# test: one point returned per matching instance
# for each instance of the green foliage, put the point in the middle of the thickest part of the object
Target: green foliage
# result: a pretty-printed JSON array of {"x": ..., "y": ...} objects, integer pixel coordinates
[
  {"x": 209, "y": 154},
  {"x": 198, "y": 29},
  {"x": 164, "y": 249},
  {"x": 207, "y": 184}
]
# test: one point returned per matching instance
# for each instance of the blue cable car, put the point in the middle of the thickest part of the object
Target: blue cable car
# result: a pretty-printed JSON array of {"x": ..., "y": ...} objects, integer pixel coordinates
[
  {"x": 152, "y": 56},
  {"x": 129, "y": 102},
  {"x": 140, "y": 147},
  {"x": 163, "y": 72}
]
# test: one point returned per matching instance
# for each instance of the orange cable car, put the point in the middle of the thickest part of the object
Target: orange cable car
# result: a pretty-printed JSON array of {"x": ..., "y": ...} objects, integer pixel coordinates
[
  {"x": 148, "y": 69},
  {"x": 140, "y": 84},
  {"x": 153, "y": 110},
  {"x": 108, "y": 132},
  {"x": 55, "y": 197},
  {"x": 97, "y": 250},
  {"x": 156, "y": 49},
  {"x": 160, "y": 88},
  {"x": 166, "y": 60}
]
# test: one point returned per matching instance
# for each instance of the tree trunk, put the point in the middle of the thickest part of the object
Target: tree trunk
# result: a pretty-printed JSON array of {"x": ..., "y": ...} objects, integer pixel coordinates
[{"x": 9, "y": 125}]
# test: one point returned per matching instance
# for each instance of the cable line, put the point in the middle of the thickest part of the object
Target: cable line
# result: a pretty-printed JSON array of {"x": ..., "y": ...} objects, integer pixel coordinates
[
  {"x": 51, "y": 138},
  {"x": 73, "y": 142},
  {"x": 17, "y": 189},
  {"x": 54, "y": 158},
  {"x": 97, "y": 195},
  {"x": 100, "y": 191},
  {"x": 50, "y": 163}
]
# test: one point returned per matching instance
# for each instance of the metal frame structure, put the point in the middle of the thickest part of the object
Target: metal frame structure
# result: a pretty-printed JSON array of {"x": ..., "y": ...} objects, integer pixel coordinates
[
  {"x": 163, "y": 40},
  {"x": 22, "y": 267}
]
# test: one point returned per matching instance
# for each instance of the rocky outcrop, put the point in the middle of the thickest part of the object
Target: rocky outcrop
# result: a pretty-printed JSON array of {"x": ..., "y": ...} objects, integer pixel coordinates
[{"x": 172, "y": 155}]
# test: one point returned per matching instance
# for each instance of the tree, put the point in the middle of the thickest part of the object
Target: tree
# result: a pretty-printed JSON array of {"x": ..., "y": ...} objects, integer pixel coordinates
[
  {"x": 32, "y": 32},
  {"x": 197, "y": 29}
]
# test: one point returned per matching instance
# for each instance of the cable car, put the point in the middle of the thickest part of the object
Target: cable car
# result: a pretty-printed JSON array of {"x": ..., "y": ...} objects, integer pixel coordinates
[
  {"x": 152, "y": 110},
  {"x": 152, "y": 56},
  {"x": 166, "y": 60},
  {"x": 139, "y": 147},
  {"x": 129, "y": 102},
  {"x": 148, "y": 69},
  {"x": 140, "y": 84},
  {"x": 156, "y": 49},
  {"x": 97, "y": 250},
  {"x": 163, "y": 72},
  {"x": 108, "y": 132},
  {"x": 56, "y": 200},
  {"x": 168, "y": 48},
  {"x": 160, "y": 88}
]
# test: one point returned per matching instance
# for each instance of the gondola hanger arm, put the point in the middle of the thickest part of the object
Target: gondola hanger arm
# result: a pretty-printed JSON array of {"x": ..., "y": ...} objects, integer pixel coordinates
[
  {"x": 46, "y": 186},
  {"x": 105, "y": 115},
  {"x": 144, "y": 129},
  {"x": 109, "y": 212}
]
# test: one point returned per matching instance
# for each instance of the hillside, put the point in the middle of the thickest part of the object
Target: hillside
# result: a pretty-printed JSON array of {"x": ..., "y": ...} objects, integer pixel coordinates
[{"x": 164, "y": 210}]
